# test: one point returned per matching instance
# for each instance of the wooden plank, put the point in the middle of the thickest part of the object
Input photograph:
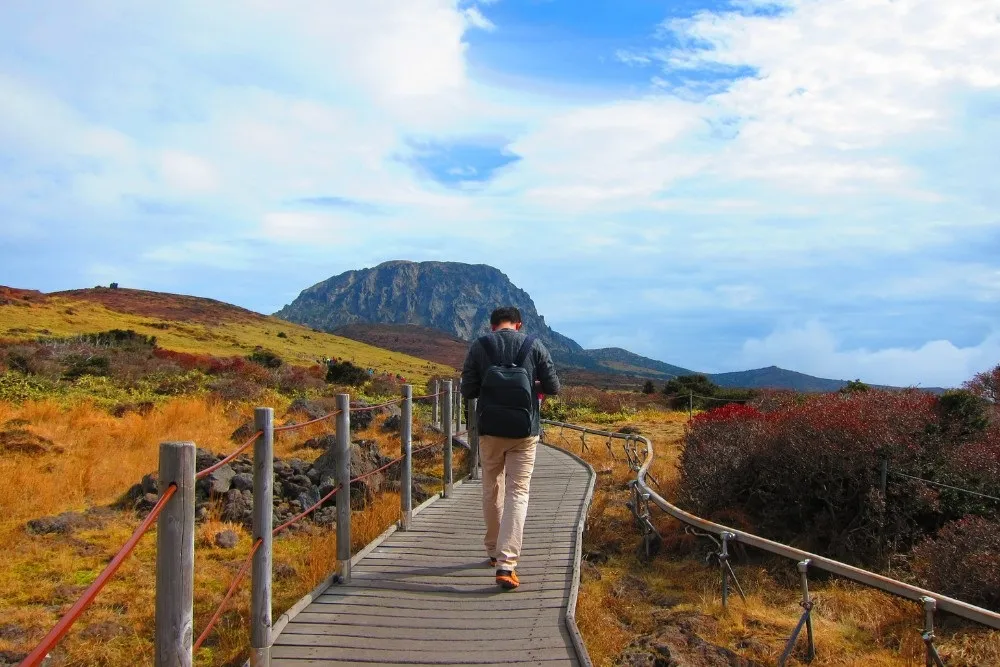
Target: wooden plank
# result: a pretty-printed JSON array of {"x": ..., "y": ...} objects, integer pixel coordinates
[
  {"x": 377, "y": 632},
  {"x": 482, "y": 644},
  {"x": 470, "y": 623},
  {"x": 442, "y": 657},
  {"x": 508, "y": 603}
]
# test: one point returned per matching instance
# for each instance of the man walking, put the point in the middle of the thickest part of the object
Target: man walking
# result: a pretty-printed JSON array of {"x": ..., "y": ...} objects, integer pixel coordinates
[{"x": 506, "y": 370}]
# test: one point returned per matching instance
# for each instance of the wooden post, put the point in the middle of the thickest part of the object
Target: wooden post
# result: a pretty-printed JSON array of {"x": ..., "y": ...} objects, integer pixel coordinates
[
  {"x": 446, "y": 419},
  {"x": 690, "y": 404},
  {"x": 406, "y": 474},
  {"x": 459, "y": 404},
  {"x": 473, "y": 440},
  {"x": 437, "y": 402},
  {"x": 175, "y": 557},
  {"x": 343, "y": 464},
  {"x": 263, "y": 505},
  {"x": 884, "y": 481}
]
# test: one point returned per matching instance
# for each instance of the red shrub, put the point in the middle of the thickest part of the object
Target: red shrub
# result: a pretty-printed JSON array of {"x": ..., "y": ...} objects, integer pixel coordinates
[
  {"x": 809, "y": 470},
  {"x": 962, "y": 561}
]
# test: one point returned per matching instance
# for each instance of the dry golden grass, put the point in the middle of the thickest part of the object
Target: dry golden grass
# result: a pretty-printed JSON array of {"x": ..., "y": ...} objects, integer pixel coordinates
[
  {"x": 41, "y": 576},
  {"x": 854, "y": 625}
]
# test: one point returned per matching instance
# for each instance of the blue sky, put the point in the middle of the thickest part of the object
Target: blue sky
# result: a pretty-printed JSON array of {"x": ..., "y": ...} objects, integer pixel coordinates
[{"x": 718, "y": 184}]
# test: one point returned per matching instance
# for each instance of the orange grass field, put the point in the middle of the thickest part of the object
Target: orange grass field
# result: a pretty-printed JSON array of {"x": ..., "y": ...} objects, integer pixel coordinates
[
  {"x": 41, "y": 576},
  {"x": 854, "y": 625}
]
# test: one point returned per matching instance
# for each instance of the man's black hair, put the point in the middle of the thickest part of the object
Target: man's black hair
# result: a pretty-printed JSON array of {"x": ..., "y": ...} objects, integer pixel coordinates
[{"x": 505, "y": 314}]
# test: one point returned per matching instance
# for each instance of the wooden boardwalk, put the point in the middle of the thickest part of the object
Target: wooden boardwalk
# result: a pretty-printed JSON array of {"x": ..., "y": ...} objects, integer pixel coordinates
[{"x": 427, "y": 596}]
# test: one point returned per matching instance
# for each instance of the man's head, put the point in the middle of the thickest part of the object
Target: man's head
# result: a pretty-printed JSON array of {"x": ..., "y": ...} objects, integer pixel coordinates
[{"x": 507, "y": 317}]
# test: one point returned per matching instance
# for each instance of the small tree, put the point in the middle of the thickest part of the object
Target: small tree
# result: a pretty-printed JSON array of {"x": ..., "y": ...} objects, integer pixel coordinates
[
  {"x": 649, "y": 388},
  {"x": 854, "y": 387},
  {"x": 114, "y": 285}
]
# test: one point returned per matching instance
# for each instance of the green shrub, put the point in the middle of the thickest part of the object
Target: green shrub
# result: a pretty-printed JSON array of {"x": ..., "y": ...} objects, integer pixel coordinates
[
  {"x": 265, "y": 358},
  {"x": 344, "y": 372},
  {"x": 964, "y": 415},
  {"x": 80, "y": 365}
]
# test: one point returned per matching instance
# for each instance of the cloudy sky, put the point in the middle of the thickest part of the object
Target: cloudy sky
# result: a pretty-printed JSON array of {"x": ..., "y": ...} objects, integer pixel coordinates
[{"x": 721, "y": 184}]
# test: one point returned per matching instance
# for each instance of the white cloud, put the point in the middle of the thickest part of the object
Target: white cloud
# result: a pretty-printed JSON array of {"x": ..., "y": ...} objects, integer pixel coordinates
[
  {"x": 813, "y": 349},
  {"x": 187, "y": 173},
  {"x": 217, "y": 254},
  {"x": 477, "y": 20}
]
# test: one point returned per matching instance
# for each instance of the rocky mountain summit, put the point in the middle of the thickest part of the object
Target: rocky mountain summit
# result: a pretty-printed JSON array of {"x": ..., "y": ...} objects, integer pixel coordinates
[{"x": 448, "y": 296}]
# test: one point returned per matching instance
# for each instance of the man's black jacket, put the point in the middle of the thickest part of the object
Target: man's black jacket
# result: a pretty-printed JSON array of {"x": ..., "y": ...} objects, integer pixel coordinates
[{"x": 538, "y": 364}]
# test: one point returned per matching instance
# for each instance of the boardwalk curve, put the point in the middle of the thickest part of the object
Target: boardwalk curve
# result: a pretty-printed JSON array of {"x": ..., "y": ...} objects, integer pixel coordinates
[{"x": 426, "y": 596}]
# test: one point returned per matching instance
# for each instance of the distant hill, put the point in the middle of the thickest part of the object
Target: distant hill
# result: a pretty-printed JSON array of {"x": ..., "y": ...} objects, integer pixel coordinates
[
  {"x": 773, "y": 377},
  {"x": 422, "y": 342},
  {"x": 189, "y": 324}
]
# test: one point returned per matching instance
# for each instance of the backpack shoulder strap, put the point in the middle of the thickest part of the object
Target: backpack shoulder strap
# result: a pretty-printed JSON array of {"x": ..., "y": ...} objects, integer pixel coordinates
[
  {"x": 525, "y": 350},
  {"x": 490, "y": 347}
]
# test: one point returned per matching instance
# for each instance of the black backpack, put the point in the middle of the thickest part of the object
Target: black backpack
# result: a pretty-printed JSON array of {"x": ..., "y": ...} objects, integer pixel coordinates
[{"x": 507, "y": 394}]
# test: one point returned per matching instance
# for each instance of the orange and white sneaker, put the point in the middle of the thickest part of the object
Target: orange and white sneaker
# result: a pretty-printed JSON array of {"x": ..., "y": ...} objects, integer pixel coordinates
[{"x": 507, "y": 579}]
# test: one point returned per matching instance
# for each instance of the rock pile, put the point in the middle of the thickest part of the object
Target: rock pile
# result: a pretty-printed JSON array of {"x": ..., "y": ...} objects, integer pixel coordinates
[{"x": 298, "y": 484}]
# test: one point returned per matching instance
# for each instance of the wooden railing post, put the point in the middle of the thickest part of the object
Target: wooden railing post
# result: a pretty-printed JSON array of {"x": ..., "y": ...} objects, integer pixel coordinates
[
  {"x": 175, "y": 557},
  {"x": 437, "y": 403},
  {"x": 458, "y": 405},
  {"x": 406, "y": 474},
  {"x": 263, "y": 505},
  {"x": 473, "y": 440},
  {"x": 449, "y": 424},
  {"x": 343, "y": 465}
]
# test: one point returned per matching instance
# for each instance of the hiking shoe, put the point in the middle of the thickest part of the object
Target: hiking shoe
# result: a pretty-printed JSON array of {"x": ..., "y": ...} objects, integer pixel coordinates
[{"x": 507, "y": 579}]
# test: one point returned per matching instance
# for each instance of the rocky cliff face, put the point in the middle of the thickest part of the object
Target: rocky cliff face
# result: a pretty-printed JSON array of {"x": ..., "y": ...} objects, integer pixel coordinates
[{"x": 448, "y": 296}]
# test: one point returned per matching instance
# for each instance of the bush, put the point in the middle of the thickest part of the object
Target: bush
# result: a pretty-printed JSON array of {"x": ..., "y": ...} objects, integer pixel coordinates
[
  {"x": 962, "y": 561},
  {"x": 649, "y": 387},
  {"x": 700, "y": 393},
  {"x": 265, "y": 358},
  {"x": 80, "y": 365},
  {"x": 964, "y": 415},
  {"x": 344, "y": 372},
  {"x": 118, "y": 338},
  {"x": 385, "y": 385},
  {"x": 809, "y": 472}
]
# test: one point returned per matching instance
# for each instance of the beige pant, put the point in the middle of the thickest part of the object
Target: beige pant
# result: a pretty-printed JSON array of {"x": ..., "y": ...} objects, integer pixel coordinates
[{"x": 507, "y": 465}]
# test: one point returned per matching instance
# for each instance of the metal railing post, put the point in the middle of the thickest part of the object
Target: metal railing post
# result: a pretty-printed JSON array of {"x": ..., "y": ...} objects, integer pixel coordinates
[
  {"x": 406, "y": 473},
  {"x": 723, "y": 561},
  {"x": 473, "y": 440},
  {"x": 175, "y": 557},
  {"x": 263, "y": 506},
  {"x": 437, "y": 403},
  {"x": 446, "y": 420},
  {"x": 932, "y": 658},
  {"x": 343, "y": 466},
  {"x": 805, "y": 620}
]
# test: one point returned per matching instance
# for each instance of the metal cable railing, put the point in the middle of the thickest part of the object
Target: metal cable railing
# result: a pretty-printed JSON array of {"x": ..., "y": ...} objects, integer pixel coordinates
[
  {"x": 640, "y": 462},
  {"x": 175, "y": 544}
]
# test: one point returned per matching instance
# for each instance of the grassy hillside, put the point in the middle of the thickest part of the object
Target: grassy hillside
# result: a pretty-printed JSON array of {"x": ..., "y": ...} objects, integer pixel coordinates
[{"x": 190, "y": 324}]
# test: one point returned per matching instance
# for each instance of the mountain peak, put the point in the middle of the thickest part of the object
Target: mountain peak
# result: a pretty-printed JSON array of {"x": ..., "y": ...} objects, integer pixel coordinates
[{"x": 449, "y": 296}]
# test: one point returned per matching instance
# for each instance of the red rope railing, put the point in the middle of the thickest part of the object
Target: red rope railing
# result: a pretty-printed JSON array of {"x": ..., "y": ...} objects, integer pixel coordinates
[
  {"x": 295, "y": 427},
  {"x": 239, "y": 450},
  {"x": 66, "y": 622},
  {"x": 240, "y": 575},
  {"x": 71, "y": 616}
]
